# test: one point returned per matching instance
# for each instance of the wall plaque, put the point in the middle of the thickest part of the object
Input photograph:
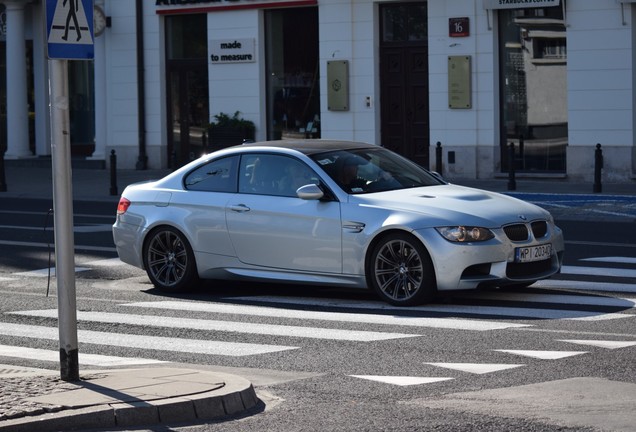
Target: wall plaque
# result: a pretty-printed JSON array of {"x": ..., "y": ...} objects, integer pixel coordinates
[
  {"x": 232, "y": 51},
  {"x": 338, "y": 85},
  {"x": 459, "y": 88},
  {"x": 458, "y": 27}
]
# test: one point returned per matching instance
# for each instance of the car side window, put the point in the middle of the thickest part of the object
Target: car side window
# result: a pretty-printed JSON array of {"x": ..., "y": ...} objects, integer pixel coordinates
[
  {"x": 216, "y": 176},
  {"x": 267, "y": 174}
]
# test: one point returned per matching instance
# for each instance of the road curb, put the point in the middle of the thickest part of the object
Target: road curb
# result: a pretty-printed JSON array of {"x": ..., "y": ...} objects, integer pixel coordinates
[{"x": 237, "y": 396}]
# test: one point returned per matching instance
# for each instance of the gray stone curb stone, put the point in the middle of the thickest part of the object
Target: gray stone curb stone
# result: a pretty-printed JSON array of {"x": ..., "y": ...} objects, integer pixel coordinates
[{"x": 231, "y": 396}]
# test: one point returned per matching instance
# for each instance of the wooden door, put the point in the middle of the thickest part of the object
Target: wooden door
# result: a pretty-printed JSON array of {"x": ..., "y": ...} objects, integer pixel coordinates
[{"x": 404, "y": 96}]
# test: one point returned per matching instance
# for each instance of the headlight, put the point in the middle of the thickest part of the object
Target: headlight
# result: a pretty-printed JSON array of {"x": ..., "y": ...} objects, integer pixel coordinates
[{"x": 465, "y": 233}]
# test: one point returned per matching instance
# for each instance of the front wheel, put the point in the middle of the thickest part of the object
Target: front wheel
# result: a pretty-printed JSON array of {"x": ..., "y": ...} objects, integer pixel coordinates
[
  {"x": 401, "y": 272},
  {"x": 169, "y": 260}
]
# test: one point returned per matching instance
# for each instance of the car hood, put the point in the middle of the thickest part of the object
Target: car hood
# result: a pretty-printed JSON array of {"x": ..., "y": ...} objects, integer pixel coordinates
[{"x": 453, "y": 204}]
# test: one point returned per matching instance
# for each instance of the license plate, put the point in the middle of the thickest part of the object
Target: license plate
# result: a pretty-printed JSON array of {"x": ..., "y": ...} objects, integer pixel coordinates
[{"x": 533, "y": 253}]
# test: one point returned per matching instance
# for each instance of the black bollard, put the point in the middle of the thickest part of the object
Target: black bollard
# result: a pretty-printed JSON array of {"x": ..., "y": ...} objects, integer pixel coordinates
[
  {"x": 512, "y": 183},
  {"x": 438, "y": 158},
  {"x": 521, "y": 151},
  {"x": 3, "y": 182},
  {"x": 598, "y": 166},
  {"x": 173, "y": 160},
  {"x": 113, "y": 173}
]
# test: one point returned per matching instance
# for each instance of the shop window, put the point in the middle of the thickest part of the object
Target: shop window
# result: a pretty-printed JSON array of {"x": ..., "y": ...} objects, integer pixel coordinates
[
  {"x": 188, "y": 37},
  {"x": 187, "y": 87},
  {"x": 81, "y": 82},
  {"x": 293, "y": 93},
  {"x": 533, "y": 88},
  {"x": 550, "y": 49}
]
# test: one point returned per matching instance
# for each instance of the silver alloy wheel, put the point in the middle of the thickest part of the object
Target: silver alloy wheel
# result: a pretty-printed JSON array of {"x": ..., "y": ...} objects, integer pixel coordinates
[
  {"x": 398, "y": 270},
  {"x": 167, "y": 258}
]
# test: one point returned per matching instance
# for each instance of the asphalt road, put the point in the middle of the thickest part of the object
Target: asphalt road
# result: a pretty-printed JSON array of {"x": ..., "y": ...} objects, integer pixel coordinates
[{"x": 556, "y": 355}]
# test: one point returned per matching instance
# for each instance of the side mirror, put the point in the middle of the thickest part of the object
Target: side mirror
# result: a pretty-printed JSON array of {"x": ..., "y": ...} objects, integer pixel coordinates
[
  {"x": 310, "y": 192},
  {"x": 438, "y": 176}
]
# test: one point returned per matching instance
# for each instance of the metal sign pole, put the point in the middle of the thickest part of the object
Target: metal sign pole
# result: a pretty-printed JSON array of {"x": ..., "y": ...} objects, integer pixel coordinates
[
  {"x": 69, "y": 35},
  {"x": 63, "y": 218}
]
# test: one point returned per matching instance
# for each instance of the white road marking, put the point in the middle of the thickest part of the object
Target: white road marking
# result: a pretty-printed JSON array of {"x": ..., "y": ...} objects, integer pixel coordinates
[
  {"x": 111, "y": 262},
  {"x": 224, "y": 326},
  {"x": 445, "y": 323},
  {"x": 586, "y": 286},
  {"x": 76, "y": 228},
  {"x": 598, "y": 271},
  {"x": 552, "y": 298},
  {"x": 543, "y": 355},
  {"x": 477, "y": 368},
  {"x": 232, "y": 349},
  {"x": 84, "y": 359},
  {"x": 521, "y": 312},
  {"x": 620, "y": 260},
  {"x": 602, "y": 343},
  {"x": 43, "y": 213},
  {"x": 45, "y": 272},
  {"x": 401, "y": 380},
  {"x": 47, "y": 245}
]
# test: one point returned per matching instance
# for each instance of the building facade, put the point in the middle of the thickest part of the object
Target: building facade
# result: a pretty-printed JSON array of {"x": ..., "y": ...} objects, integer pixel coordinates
[{"x": 550, "y": 78}]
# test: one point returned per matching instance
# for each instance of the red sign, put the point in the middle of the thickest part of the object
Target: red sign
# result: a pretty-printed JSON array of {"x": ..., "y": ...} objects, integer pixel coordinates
[{"x": 458, "y": 27}]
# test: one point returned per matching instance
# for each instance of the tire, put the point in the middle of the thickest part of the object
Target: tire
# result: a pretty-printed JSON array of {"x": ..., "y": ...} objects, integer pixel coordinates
[
  {"x": 401, "y": 272},
  {"x": 169, "y": 261}
]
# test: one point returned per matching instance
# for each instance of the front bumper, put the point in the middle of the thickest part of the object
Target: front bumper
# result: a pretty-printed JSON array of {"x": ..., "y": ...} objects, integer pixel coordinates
[{"x": 461, "y": 266}]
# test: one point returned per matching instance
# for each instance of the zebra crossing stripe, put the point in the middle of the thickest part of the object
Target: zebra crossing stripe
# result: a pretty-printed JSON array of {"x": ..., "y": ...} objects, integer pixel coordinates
[
  {"x": 45, "y": 272},
  {"x": 401, "y": 380},
  {"x": 221, "y": 308},
  {"x": 543, "y": 355},
  {"x": 520, "y": 312},
  {"x": 224, "y": 326},
  {"x": 586, "y": 300},
  {"x": 476, "y": 368},
  {"x": 232, "y": 349},
  {"x": 84, "y": 358},
  {"x": 596, "y": 271},
  {"x": 47, "y": 245},
  {"x": 621, "y": 260},
  {"x": 586, "y": 286},
  {"x": 602, "y": 343},
  {"x": 111, "y": 262}
]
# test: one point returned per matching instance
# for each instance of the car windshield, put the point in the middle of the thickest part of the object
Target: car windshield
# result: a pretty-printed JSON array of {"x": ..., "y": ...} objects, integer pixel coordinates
[{"x": 368, "y": 170}]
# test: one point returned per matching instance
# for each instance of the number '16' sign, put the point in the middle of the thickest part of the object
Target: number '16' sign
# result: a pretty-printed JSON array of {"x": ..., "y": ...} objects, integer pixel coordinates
[{"x": 458, "y": 27}]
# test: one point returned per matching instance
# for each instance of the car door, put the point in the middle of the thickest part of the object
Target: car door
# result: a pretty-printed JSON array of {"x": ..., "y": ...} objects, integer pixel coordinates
[
  {"x": 200, "y": 209},
  {"x": 270, "y": 226}
]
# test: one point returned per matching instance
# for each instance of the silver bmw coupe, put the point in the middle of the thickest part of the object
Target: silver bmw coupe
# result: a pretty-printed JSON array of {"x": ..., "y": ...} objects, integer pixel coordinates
[{"x": 335, "y": 213}]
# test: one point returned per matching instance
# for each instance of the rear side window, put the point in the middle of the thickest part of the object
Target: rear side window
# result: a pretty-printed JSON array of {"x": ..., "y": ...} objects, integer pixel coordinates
[
  {"x": 269, "y": 174},
  {"x": 218, "y": 175}
]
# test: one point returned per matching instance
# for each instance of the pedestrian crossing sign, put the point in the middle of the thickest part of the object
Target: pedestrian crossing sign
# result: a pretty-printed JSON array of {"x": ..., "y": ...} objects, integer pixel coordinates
[{"x": 69, "y": 29}]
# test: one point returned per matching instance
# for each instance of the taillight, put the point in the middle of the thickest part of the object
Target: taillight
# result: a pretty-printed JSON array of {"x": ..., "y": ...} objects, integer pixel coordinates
[{"x": 123, "y": 205}]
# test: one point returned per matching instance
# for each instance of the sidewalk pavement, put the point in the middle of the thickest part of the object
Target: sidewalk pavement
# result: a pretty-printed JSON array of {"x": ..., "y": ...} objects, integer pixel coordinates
[
  {"x": 91, "y": 184},
  {"x": 121, "y": 398},
  {"x": 565, "y": 199}
]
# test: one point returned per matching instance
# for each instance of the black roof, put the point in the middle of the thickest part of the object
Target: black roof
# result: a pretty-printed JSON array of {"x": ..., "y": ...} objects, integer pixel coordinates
[{"x": 311, "y": 146}]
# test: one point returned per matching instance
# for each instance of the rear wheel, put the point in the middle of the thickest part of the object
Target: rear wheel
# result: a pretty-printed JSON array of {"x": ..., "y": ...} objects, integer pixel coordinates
[
  {"x": 401, "y": 272},
  {"x": 169, "y": 260}
]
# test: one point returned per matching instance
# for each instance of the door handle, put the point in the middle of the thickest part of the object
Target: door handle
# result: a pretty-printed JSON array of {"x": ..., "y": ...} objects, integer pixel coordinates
[{"x": 239, "y": 208}]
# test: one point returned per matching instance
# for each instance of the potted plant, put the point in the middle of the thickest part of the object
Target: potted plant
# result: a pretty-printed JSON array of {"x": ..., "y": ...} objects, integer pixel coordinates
[{"x": 228, "y": 130}]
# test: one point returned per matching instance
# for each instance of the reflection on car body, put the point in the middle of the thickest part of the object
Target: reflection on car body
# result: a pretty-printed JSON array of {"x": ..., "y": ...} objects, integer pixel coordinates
[{"x": 335, "y": 213}]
